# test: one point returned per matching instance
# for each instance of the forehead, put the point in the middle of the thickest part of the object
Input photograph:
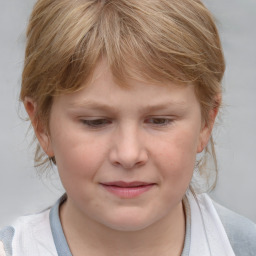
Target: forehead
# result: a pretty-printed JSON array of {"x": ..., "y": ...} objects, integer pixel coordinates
[{"x": 104, "y": 92}]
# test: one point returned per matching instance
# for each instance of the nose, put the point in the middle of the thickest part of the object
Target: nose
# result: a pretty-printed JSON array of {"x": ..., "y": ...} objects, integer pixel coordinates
[{"x": 128, "y": 149}]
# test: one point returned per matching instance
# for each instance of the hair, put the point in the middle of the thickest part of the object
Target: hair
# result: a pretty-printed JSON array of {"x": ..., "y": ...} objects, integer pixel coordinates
[{"x": 154, "y": 40}]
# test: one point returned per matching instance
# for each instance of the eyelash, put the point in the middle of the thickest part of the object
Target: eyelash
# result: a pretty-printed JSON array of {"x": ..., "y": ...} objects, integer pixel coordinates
[
  {"x": 102, "y": 122},
  {"x": 96, "y": 123},
  {"x": 159, "y": 121}
]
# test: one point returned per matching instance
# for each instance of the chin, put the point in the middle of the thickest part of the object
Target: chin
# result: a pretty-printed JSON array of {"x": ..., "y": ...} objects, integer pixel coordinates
[
  {"x": 130, "y": 222},
  {"x": 128, "y": 226}
]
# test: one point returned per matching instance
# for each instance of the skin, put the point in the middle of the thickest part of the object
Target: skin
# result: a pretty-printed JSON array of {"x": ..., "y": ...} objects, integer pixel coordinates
[{"x": 106, "y": 133}]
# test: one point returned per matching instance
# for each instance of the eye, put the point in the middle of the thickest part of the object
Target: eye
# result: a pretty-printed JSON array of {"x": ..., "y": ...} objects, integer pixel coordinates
[
  {"x": 96, "y": 123},
  {"x": 159, "y": 121}
]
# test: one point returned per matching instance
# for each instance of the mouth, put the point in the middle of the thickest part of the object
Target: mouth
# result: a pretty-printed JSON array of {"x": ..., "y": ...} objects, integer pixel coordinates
[{"x": 127, "y": 189}]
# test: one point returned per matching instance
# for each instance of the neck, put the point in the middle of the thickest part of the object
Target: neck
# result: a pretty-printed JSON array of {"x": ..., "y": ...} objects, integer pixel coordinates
[{"x": 165, "y": 237}]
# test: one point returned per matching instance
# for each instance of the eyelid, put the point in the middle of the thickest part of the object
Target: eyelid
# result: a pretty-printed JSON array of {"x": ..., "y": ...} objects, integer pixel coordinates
[
  {"x": 165, "y": 120},
  {"x": 96, "y": 122}
]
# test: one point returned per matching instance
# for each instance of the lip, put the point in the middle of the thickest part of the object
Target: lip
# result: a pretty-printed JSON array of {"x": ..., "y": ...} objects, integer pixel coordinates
[{"x": 127, "y": 190}]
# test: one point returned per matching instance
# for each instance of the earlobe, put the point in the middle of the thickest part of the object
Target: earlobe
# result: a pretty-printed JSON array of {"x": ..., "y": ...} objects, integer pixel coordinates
[
  {"x": 205, "y": 135},
  {"x": 39, "y": 128},
  {"x": 206, "y": 130}
]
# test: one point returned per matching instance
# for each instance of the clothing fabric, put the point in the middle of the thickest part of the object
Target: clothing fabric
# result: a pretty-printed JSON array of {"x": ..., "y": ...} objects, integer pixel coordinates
[
  {"x": 208, "y": 236},
  {"x": 210, "y": 230}
]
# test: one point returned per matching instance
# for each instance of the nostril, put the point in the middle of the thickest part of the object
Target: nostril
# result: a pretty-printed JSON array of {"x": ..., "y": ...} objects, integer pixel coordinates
[
  {"x": 128, "y": 152},
  {"x": 129, "y": 163},
  {"x": 138, "y": 164}
]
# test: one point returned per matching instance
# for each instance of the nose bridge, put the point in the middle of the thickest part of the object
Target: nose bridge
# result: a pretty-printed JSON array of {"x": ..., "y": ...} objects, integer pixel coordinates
[{"x": 128, "y": 147}]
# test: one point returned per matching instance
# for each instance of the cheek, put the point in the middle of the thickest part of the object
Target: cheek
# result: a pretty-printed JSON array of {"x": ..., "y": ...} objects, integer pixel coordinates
[
  {"x": 174, "y": 161},
  {"x": 176, "y": 156},
  {"x": 77, "y": 155}
]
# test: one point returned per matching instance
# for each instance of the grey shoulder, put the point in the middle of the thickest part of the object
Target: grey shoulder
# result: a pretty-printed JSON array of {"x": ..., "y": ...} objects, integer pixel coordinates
[
  {"x": 6, "y": 237},
  {"x": 240, "y": 230}
]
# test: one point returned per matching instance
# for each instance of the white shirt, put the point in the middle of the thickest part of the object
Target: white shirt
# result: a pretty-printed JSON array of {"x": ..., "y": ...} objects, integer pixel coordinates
[{"x": 42, "y": 234}]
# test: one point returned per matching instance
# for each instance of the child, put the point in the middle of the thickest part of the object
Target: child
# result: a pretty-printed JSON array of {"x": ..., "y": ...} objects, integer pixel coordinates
[{"x": 122, "y": 96}]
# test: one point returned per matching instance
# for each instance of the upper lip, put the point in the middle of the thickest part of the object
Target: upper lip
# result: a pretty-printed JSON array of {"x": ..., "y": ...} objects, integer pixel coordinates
[{"x": 127, "y": 184}]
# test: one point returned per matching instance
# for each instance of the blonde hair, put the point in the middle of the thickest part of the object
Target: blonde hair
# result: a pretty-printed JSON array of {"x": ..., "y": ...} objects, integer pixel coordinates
[{"x": 157, "y": 40}]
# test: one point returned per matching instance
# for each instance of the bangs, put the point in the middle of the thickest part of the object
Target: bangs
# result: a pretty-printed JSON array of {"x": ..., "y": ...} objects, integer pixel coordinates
[{"x": 161, "y": 48}]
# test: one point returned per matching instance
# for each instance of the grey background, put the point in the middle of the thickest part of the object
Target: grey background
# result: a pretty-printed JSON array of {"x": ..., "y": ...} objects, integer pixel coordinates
[{"x": 22, "y": 192}]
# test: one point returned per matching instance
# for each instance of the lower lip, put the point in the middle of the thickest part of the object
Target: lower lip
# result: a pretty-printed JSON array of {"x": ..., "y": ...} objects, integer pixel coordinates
[{"x": 128, "y": 192}]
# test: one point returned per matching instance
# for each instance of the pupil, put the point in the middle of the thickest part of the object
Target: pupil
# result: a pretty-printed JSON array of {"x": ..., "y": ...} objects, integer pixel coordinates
[
  {"x": 98, "y": 122},
  {"x": 159, "y": 121}
]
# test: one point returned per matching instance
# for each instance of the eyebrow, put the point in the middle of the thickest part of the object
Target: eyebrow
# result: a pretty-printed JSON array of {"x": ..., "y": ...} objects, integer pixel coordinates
[
  {"x": 101, "y": 106},
  {"x": 93, "y": 105},
  {"x": 166, "y": 105}
]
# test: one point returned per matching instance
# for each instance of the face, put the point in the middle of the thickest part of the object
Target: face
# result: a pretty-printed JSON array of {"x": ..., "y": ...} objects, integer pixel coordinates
[{"x": 125, "y": 155}]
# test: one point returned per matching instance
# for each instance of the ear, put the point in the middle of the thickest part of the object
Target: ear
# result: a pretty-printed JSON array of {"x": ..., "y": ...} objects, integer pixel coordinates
[
  {"x": 39, "y": 128},
  {"x": 206, "y": 129}
]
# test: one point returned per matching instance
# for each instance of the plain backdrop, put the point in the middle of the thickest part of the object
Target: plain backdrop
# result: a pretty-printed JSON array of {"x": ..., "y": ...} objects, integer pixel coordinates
[{"x": 23, "y": 192}]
